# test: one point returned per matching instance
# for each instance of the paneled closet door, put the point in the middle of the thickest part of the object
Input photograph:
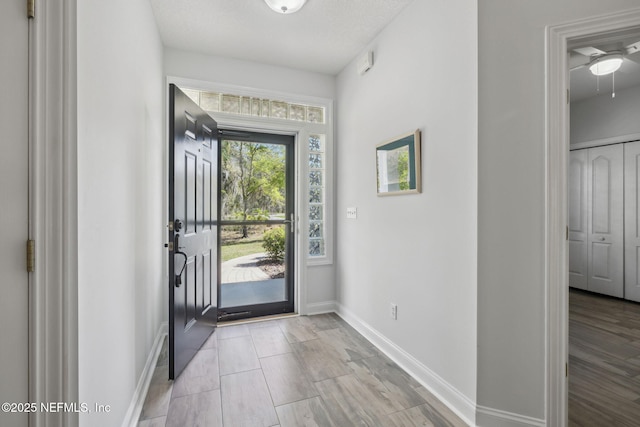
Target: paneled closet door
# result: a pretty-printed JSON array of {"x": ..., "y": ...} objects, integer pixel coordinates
[
  {"x": 632, "y": 221},
  {"x": 578, "y": 261},
  {"x": 605, "y": 220}
]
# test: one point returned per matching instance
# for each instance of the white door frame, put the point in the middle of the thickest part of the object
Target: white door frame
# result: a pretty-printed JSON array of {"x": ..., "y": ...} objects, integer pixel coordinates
[
  {"x": 557, "y": 157},
  {"x": 53, "y": 286}
]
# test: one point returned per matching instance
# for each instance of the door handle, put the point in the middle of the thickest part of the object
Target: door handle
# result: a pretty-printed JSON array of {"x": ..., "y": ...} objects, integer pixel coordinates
[
  {"x": 178, "y": 281},
  {"x": 177, "y": 246},
  {"x": 602, "y": 239},
  {"x": 291, "y": 221}
]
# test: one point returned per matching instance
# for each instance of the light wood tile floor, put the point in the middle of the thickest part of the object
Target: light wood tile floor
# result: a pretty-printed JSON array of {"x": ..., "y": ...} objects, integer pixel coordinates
[
  {"x": 604, "y": 361},
  {"x": 294, "y": 372}
]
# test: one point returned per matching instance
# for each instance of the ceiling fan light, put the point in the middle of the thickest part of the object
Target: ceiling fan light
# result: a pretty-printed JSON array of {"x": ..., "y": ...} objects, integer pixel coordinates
[
  {"x": 285, "y": 6},
  {"x": 606, "y": 64}
]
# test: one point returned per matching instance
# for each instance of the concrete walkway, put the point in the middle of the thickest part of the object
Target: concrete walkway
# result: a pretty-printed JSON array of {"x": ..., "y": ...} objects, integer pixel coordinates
[
  {"x": 244, "y": 283},
  {"x": 243, "y": 269}
]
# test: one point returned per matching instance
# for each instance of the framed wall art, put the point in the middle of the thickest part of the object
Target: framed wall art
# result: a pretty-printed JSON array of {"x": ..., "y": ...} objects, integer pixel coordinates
[{"x": 398, "y": 165}]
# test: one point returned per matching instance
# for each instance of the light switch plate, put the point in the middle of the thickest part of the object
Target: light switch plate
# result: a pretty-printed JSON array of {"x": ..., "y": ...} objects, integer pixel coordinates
[{"x": 352, "y": 213}]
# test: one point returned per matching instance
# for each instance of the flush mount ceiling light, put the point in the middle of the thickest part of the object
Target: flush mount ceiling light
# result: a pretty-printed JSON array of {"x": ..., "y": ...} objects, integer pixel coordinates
[
  {"x": 285, "y": 6},
  {"x": 605, "y": 64}
]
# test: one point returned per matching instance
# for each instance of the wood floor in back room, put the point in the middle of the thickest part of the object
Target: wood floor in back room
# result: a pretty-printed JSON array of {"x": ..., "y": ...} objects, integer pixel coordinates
[
  {"x": 291, "y": 372},
  {"x": 604, "y": 361}
]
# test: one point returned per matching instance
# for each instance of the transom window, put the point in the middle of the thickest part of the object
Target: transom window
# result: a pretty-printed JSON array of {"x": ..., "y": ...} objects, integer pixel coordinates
[{"x": 260, "y": 107}]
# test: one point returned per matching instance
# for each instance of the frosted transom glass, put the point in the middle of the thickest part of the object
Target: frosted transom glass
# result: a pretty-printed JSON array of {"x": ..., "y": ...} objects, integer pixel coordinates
[{"x": 250, "y": 106}]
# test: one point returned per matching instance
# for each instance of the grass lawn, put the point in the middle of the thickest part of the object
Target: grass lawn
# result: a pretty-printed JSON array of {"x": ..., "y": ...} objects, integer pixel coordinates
[
  {"x": 231, "y": 250},
  {"x": 232, "y": 245}
]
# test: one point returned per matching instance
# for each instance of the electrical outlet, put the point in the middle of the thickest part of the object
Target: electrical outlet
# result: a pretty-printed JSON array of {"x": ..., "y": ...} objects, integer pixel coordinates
[
  {"x": 352, "y": 213},
  {"x": 394, "y": 311}
]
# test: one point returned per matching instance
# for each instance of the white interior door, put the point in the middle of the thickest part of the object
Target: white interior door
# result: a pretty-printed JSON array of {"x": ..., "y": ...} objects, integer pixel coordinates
[
  {"x": 605, "y": 220},
  {"x": 14, "y": 357},
  {"x": 632, "y": 221},
  {"x": 578, "y": 261}
]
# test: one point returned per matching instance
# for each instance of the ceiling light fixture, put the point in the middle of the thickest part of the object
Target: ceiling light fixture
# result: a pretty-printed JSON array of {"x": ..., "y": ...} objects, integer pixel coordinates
[
  {"x": 605, "y": 64},
  {"x": 285, "y": 6}
]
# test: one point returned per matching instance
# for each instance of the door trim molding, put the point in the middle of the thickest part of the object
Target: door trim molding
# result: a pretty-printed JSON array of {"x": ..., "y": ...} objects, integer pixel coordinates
[
  {"x": 53, "y": 306},
  {"x": 556, "y": 162}
]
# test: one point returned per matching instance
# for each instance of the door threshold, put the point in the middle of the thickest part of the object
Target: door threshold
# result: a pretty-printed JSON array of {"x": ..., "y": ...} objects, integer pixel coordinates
[{"x": 256, "y": 319}]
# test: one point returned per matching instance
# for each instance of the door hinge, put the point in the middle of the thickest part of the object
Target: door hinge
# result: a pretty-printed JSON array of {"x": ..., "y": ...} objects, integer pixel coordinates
[
  {"x": 31, "y": 9},
  {"x": 568, "y": 96},
  {"x": 566, "y": 370},
  {"x": 31, "y": 256},
  {"x": 567, "y": 235},
  {"x": 169, "y": 246}
]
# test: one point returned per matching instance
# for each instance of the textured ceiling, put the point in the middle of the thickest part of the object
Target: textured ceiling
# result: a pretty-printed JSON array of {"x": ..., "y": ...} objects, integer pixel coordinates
[
  {"x": 324, "y": 36},
  {"x": 585, "y": 85}
]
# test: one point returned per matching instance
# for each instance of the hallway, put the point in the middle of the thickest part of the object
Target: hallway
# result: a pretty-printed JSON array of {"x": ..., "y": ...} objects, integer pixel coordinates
[{"x": 294, "y": 371}]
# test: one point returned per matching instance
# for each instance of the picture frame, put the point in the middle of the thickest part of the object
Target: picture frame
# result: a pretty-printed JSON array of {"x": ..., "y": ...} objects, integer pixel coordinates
[{"x": 398, "y": 164}]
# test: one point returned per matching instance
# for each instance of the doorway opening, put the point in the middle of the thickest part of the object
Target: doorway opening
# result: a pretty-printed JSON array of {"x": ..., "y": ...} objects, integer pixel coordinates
[
  {"x": 559, "y": 38},
  {"x": 603, "y": 229},
  {"x": 257, "y": 223}
]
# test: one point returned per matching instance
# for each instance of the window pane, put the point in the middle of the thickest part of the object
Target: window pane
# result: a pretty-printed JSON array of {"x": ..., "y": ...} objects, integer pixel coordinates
[
  {"x": 315, "y": 178},
  {"x": 278, "y": 109},
  {"x": 315, "y": 195},
  {"x": 246, "y": 105},
  {"x": 297, "y": 112},
  {"x": 316, "y": 114},
  {"x": 315, "y": 144},
  {"x": 230, "y": 103},
  {"x": 315, "y": 229},
  {"x": 210, "y": 101},
  {"x": 315, "y": 212},
  {"x": 316, "y": 247},
  {"x": 315, "y": 161},
  {"x": 255, "y": 107}
]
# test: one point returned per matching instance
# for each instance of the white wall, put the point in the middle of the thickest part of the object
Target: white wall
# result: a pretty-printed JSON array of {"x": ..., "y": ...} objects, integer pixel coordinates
[
  {"x": 252, "y": 75},
  {"x": 418, "y": 251},
  {"x": 605, "y": 117},
  {"x": 511, "y": 200},
  {"x": 120, "y": 200}
]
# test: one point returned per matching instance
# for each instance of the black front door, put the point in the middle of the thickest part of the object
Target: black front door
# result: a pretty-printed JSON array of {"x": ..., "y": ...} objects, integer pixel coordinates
[{"x": 193, "y": 229}]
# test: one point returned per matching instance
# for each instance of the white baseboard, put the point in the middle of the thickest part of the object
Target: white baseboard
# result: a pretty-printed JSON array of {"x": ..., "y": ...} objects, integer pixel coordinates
[
  {"x": 489, "y": 417},
  {"x": 137, "y": 401},
  {"x": 321, "y": 307},
  {"x": 460, "y": 404}
]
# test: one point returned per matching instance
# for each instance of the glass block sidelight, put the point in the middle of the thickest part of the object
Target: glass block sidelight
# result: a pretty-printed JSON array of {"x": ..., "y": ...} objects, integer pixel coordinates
[
  {"x": 316, "y": 247},
  {"x": 316, "y": 196},
  {"x": 315, "y": 161},
  {"x": 315, "y": 144},
  {"x": 316, "y": 212},
  {"x": 315, "y": 230},
  {"x": 315, "y": 178}
]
